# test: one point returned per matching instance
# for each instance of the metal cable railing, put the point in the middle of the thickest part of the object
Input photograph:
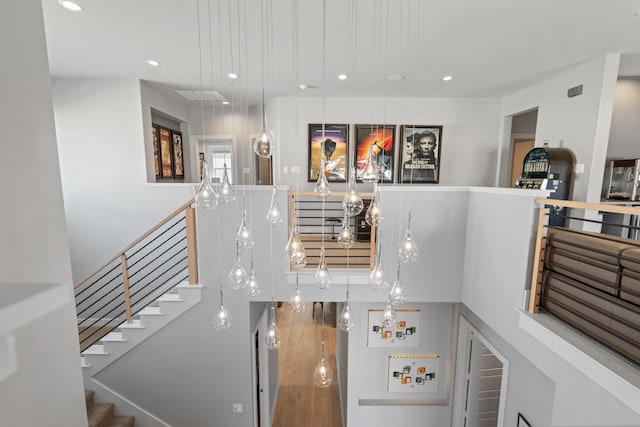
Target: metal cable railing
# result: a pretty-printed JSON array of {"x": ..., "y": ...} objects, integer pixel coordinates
[
  {"x": 133, "y": 279},
  {"x": 590, "y": 280},
  {"x": 314, "y": 233}
]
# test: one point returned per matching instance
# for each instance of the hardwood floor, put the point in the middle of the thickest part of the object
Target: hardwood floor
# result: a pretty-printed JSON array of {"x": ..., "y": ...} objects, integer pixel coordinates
[{"x": 300, "y": 402}]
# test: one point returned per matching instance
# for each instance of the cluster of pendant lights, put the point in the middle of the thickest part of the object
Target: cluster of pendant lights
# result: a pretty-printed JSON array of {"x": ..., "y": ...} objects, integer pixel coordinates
[{"x": 207, "y": 198}]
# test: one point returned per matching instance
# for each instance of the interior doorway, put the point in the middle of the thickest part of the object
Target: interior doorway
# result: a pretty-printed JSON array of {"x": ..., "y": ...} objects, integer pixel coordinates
[
  {"x": 481, "y": 380},
  {"x": 520, "y": 148},
  {"x": 521, "y": 141}
]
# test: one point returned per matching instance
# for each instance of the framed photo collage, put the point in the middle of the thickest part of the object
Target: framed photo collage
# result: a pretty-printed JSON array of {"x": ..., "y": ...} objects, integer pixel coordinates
[{"x": 415, "y": 159}]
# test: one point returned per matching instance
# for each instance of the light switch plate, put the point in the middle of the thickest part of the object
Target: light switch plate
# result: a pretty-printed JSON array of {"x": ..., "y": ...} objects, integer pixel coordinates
[{"x": 238, "y": 408}]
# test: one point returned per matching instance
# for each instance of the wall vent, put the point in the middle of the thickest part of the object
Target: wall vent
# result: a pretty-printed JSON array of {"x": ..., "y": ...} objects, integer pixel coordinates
[{"x": 201, "y": 95}]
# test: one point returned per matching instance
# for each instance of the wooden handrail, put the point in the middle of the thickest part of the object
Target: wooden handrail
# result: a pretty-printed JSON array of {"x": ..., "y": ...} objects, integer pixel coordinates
[
  {"x": 135, "y": 242},
  {"x": 629, "y": 210},
  {"x": 333, "y": 194}
]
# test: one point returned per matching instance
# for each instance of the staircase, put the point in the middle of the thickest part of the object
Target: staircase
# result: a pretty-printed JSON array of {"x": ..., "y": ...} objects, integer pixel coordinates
[{"x": 102, "y": 414}]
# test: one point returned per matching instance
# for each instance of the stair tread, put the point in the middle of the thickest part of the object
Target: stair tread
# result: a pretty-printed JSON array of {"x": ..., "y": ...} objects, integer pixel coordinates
[
  {"x": 121, "y": 421},
  {"x": 170, "y": 297},
  {"x": 136, "y": 324},
  {"x": 99, "y": 413},
  {"x": 113, "y": 336}
]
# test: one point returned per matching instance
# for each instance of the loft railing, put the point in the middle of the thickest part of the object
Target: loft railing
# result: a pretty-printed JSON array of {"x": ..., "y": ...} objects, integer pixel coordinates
[
  {"x": 115, "y": 292},
  {"x": 320, "y": 221},
  {"x": 590, "y": 280}
]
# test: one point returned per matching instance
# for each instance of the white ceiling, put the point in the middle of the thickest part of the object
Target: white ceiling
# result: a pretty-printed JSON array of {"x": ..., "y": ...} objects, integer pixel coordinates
[{"x": 491, "y": 47}]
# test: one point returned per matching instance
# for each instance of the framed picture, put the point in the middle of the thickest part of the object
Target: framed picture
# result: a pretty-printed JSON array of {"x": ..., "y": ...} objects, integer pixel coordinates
[
  {"x": 166, "y": 156},
  {"x": 156, "y": 150},
  {"x": 178, "y": 163},
  {"x": 419, "y": 154},
  {"x": 404, "y": 333},
  {"x": 413, "y": 373},
  {"x": 522, "y": 421},
  {"x": 379, "y": 141},
  {"x": 331, "y": 144}
]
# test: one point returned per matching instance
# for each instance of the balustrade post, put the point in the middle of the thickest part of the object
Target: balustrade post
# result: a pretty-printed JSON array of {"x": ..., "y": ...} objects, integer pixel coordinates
[
  {"x": 372, "y": 248},
  {"x": 125, "y": 283},
  {"x": 536, "y": 276},
  {"x": 192, "y": 245}
]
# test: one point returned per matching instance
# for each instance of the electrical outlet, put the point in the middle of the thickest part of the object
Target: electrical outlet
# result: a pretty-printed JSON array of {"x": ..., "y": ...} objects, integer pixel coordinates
[
  {"x": 578, "y": 168},
  {"x": 285, "y": 169},
  {"x": 295, "y": 169},
  {"x": 238, "y": 408}
]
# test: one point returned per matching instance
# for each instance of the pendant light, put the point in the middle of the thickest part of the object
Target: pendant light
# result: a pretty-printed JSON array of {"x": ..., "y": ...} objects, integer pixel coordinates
[
  {"x": 396, "y": 295},
  {"x": 389, "y": 316},
  {"x": 264, "y": 145},
  {"x": 296, "y": 303},
  {"x": 321, "y": 188},
  {"x": 373, "y": 215},
  {"x": 274, "y": 216},
  {"x": 345, "y": 238},
  {"x": 272, "y": 340},
  {"x": 347, "y": 320},
  {"x": 322, "y": 278},
  {"x": 370, "y": 172},
  {"x": 377, "y": 279},
  {"x": 253, "y": 287},
  {"x": 323, "y": 374},
  {"x": 237, "y": 275},
  {"x": 222, "y": 319},
  {"x": 226, "y": 193},
  {"x": 408, "y": 251},
  {"x": 352, "y": 202},
  {"x": 244, "y": 237},
  {"x": 294, "y": 249},
  {"x": 206, "y": 197}
]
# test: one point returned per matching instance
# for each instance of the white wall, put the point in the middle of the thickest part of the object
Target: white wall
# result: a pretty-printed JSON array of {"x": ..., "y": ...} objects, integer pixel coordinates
[
  {"x": 580, "y": 124},
  {"x": 107, "y": 200},
  {"x": 469, "y": 137},
  {"x": 624, "y": 139},
  {"x": 47, "y": 387},
  {"x": 496, "y": 272}
]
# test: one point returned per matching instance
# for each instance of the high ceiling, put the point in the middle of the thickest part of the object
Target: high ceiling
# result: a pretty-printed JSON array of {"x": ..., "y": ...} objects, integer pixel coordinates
[{"x": 491, "y": 47}]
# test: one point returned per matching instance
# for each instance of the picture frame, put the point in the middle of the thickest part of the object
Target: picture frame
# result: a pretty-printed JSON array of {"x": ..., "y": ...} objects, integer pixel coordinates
[
  {"x": 166, "y": 155},
  {"x": 380, "y": 140},
  {"x": 178, "y": 158},
  {"x": 522, "y": 421},
  {"x": 201, "y": 164},
  {"x": 419, "y": 154},
  {"x": 156, "y": 149},
  {"x": 332, "y": 143}
]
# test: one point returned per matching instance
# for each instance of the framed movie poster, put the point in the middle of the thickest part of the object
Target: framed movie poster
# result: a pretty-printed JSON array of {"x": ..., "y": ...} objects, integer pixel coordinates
[
  {"x": 156, "y": 150},
  {"x": 178, "y": 163},
  {"x": 166, "y": 156},
  {"x": 419, "y": 154},
  {"x": 377, "y": 141},
  {"x": 332, "y": 146}
]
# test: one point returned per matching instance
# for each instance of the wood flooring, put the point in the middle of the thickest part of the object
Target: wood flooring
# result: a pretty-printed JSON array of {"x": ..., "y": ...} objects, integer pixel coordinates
[{"x": 300, "y": 402}]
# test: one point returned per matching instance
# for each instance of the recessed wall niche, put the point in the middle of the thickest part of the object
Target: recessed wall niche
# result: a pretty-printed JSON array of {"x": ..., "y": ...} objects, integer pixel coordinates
[{"x": 170, "y": 148}]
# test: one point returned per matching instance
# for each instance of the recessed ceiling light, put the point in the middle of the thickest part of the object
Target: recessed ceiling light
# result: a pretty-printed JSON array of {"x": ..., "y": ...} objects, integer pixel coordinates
[
  {"x": 232, "y": 75},
  {"x": 303, "y": 86},
  {"x": 447, "y": 78},
  {"x": 225, "y": 102},
  {"x": 70, "y": 5},
  {"x": 395, "y": 77},
  {"x": 153, "y": 62},
  {"x": 342, "y": 77}
]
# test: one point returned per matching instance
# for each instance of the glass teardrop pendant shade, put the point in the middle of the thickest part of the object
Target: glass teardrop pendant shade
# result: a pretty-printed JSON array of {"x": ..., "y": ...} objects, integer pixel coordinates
[
  {"x": 222, "y": 319},
  {"x": 206, "y": 197},
  {"x": 347, "y": 320},
  {"x": 370, "y": 172},
  {"x": 237, "y": 275},
  {"x": 323, "y": 374},
  {"x": 296, "y": 303},
  {"x": 345, "y": 239},
  {"x": 377, "y": 279},
  {"x": 408, "y": 251},
  {"x": 263, "y": 145},
  {"x": 253, "y": 287},
  {"x": 273, "y": 214},
  {"x": 294, "y": 249},
  {"x": 272, "y": 339},
  {"x": 321, "y": 188},
  {"x": 322, "y": 279},
  {"x": 352, "y": 203},
  {"x": 396, "y": 295},
  {"x": 226, "y": 193},
  {"x": 244, "y": 237},
  {"x": 389, "y": 317},
  {"x": 373, "y": 215}
]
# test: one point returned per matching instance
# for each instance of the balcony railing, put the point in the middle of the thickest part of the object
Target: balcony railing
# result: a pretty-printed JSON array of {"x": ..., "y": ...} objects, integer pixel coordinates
[{"x": 589, "y": 280}]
